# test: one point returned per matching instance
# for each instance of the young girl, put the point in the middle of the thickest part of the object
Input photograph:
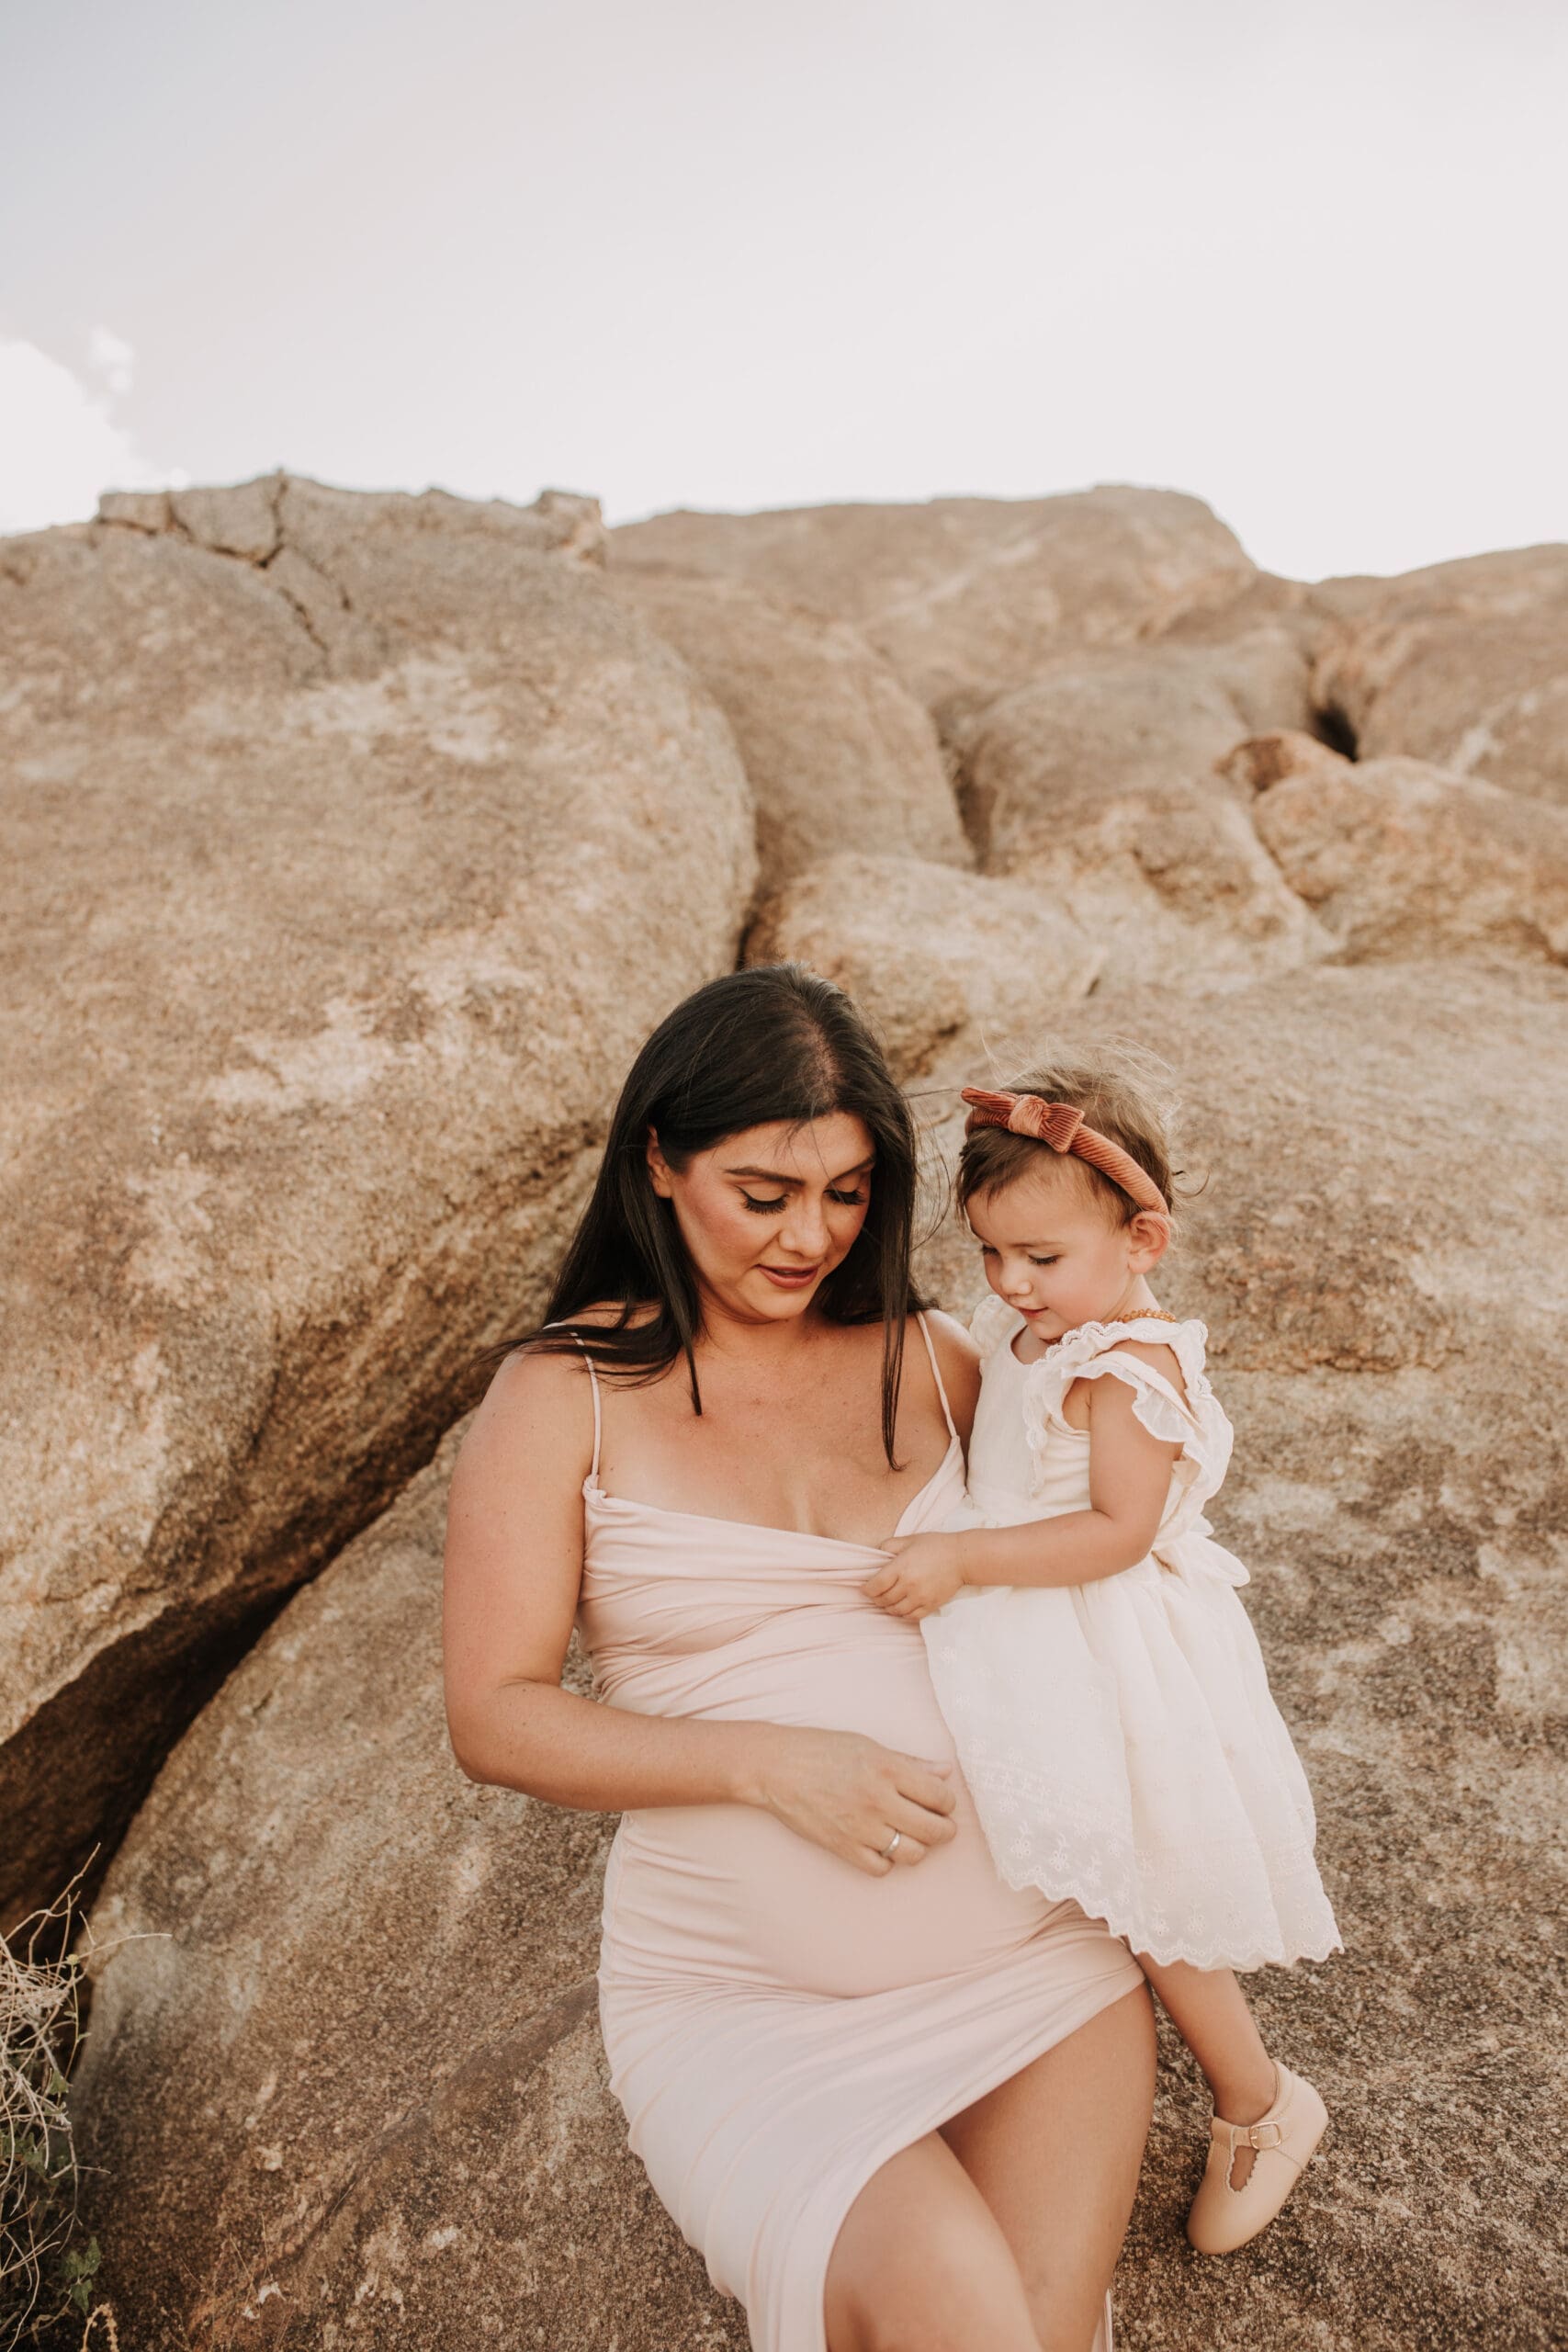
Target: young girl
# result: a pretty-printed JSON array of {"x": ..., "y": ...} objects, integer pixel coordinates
[{"x": 1100, "y": 1677}]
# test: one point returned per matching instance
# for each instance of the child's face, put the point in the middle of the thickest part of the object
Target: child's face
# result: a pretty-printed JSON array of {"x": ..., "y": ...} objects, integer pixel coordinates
[{"x": 1054, "y": 1253}]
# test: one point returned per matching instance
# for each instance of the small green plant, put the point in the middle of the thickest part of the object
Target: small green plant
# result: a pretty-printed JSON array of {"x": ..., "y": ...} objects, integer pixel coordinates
[{"x": 45, "y": 2273}]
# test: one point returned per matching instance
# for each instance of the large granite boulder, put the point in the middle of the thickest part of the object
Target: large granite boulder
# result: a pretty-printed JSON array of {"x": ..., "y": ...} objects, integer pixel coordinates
[
  {"x": 968, "y": 595},
  {"x": 1100, "y": 785},
  {"x": 358, "y": 842},
  {"x": 928, "y": 953},
  {"x": 1378, "y": 1250},
  {"x": 343, "y": 2083},
  {"x": 1398, "y": 858},
  {"x": 839, "y": 754},
  {"x": 328, "y": 929},
  {"x": 1464, "y": 664}
]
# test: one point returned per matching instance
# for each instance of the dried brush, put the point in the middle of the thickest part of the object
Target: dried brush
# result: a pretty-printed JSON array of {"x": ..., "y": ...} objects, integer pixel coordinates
[{"x": 45, "y": 2274}]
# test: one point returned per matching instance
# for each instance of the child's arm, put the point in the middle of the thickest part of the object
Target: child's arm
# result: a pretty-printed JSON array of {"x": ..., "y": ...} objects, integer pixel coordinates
[{"x": 1129, "y": 1479}]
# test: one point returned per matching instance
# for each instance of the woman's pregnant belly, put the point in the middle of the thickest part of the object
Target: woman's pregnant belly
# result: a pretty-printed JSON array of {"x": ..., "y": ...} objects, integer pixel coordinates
[{"x": 728, "y": 1891}]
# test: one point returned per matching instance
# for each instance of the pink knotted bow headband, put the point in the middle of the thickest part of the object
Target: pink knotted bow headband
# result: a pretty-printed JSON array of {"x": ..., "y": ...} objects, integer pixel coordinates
[{"x": 1062, "y": 1127}]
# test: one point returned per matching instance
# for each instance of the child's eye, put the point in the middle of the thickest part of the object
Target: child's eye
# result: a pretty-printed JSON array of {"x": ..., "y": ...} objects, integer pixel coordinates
[
  {"x": 763, "y": 1209},
  {"x": 987, "y": 1250},
  {"x": 1042, "y": 1262}
]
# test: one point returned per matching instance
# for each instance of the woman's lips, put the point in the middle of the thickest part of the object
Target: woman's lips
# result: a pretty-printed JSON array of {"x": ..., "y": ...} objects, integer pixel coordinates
[{"x": 791, "y": 1277}]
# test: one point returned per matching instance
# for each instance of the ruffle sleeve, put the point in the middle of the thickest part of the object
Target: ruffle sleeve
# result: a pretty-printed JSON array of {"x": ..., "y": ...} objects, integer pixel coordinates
[{"x": 1199, "y": 1427}]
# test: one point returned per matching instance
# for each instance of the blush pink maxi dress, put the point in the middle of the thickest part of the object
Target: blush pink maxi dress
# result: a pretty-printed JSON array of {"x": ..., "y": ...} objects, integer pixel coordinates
[{"x": 779, "y": 2024}]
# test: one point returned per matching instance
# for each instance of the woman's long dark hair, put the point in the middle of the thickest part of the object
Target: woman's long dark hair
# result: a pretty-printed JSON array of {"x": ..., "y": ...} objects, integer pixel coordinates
[{"x": 775, "y": 1043}]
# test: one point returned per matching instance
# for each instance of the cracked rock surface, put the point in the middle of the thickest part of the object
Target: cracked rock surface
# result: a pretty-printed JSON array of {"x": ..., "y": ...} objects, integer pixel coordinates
[
  {"x": 325, "y": 941},
  {"x": 1464, "y": 665},
  {"x": 969, "y": 596},
  {"x": 348, "y": 2063},
  {"x": 841, "y": 755},
  {"x": 360, "y": 1995},
  {"x": 359, "y": 841},
  {"x": 1101, "y": 785}
]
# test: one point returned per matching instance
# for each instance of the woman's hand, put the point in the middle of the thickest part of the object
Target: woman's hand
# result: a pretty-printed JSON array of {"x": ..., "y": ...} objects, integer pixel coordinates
[
  {"x": 849, "y": 1794},
  {"x": 921, "y": 1576}
]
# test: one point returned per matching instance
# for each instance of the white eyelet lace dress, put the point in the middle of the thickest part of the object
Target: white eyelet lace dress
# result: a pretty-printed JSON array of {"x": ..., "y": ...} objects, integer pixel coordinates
[{"x": 1120, "y": 1738}]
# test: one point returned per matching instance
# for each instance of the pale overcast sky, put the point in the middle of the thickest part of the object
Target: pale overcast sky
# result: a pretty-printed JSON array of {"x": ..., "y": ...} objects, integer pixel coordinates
[{"x": 1305, "y": 260}]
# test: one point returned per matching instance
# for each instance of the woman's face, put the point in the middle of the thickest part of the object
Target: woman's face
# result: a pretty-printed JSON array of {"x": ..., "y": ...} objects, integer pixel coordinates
[{"x": 768, "y": 1214}]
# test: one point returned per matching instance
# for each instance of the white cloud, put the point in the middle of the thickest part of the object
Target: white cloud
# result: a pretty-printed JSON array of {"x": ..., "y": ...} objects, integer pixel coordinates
[
  {"x": 113, "y": 358},
  {"x": 59, "y": 444}
]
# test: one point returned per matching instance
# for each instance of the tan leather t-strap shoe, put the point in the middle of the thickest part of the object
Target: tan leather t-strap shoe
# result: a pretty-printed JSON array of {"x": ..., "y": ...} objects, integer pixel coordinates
[{"x": 1224, "y": 2216}]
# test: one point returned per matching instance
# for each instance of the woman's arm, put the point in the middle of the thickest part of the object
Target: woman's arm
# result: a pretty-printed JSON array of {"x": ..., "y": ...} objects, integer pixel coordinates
[
  {"x": 513, "y": 1568},
  {"x": 1129, "y": 1479}
]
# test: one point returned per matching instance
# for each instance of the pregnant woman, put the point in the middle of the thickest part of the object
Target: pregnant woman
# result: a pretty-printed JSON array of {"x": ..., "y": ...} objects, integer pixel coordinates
[{"x": 898, "y": 2106}]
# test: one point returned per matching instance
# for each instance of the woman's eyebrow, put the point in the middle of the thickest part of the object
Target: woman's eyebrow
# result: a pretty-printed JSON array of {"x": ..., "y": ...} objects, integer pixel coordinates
[{"x": 777, "y": 1176}]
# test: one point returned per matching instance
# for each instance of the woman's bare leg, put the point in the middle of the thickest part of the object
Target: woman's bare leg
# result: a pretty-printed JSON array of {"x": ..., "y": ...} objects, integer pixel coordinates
[
  {"x": 1055, "y": 2154},
  {"x": 922, "y": 2265}
]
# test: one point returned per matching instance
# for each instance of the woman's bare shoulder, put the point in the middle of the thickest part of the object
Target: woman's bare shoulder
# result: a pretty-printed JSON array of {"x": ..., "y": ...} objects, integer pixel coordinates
[
  {"x": 539, "y": 1400},
  {"x": 536, "y": 1409}
]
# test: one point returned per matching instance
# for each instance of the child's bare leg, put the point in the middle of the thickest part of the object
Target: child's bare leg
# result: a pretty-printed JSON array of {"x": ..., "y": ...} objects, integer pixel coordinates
[{"x": 1209, "y": 2010}]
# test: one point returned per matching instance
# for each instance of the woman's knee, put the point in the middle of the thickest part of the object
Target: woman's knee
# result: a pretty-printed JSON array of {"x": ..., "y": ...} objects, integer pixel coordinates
[
  {"x": 951, "y": 2298},
  {"x": 922, "y": 2267}
]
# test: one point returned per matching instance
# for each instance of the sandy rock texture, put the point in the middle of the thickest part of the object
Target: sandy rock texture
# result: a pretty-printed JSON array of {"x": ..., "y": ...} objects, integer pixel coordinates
[
  {"x": 1101, "y": 783},
  {"x": 1386, "y": 1298},
  {"x": 372, "y": 2012},
  {"x": 967, "y": 595},
  {"x": 1398, "y": 858},
  {"x": 344, "y": 2078},
  {"x": 839, "y": 754},
  {"x": 327, "y": 939},
  {"x": 928, "y": 952},
  {"x": 359, "y": 842},
  {"x": 1464, "y": 664}
]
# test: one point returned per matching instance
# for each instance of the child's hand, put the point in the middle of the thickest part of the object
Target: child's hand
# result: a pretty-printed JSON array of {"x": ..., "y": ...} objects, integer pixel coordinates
[{"x": 921, "y": 1576}]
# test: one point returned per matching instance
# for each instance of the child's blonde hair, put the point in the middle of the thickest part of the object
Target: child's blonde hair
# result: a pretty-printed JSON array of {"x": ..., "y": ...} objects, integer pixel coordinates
[{"x": 1121, "y": 1089}]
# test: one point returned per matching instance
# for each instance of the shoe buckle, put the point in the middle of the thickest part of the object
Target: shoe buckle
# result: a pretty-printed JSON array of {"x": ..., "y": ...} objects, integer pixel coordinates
[{"x": 1263, "y": 2135}]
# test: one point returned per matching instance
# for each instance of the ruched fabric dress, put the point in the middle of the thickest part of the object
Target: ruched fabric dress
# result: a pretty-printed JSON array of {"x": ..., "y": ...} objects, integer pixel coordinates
[{"x": 778, "y": 2023}]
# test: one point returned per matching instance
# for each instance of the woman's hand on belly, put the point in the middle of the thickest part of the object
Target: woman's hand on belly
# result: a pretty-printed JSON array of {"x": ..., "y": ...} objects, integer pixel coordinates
[{"x": 849, "y": 1794}]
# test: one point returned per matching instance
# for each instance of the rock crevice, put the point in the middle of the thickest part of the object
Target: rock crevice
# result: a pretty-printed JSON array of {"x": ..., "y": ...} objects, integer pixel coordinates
[
  {"x": 358, "y": 842},
  {"x": 315, "y": 1031}
]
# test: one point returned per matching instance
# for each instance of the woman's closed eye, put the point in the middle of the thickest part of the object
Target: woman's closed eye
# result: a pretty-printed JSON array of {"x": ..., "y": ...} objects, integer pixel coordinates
[{"x": 771, "y": 1208}]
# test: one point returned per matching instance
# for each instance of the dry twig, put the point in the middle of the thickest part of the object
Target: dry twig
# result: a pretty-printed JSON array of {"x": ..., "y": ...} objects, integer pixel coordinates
[{"x": 43, "y": 2273}]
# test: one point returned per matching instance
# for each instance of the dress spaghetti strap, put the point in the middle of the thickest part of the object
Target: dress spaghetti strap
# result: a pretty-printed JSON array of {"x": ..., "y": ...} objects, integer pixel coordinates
[
  {"x": 598, "y": 1413},
  {"x": 936, "y": 1373}
]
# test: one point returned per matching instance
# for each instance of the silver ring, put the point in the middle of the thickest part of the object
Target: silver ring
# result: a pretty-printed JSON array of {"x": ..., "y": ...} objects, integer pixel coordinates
[{"x": 888, "y": 1851}]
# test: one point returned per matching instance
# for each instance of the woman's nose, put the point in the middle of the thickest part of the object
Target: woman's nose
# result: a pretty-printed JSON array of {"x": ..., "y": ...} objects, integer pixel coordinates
[{"x": 805, "y": 1229}]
